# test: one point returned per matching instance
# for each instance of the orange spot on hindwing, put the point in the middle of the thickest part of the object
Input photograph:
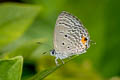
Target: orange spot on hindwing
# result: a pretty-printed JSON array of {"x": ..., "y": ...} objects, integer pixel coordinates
[{"x": 83, "y": 40}]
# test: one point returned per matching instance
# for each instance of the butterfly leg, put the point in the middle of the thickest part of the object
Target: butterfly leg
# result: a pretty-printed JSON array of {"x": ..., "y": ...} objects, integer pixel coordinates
[
  {"x": 62, "y": 61},
  {"x": 56, "y": 61}
]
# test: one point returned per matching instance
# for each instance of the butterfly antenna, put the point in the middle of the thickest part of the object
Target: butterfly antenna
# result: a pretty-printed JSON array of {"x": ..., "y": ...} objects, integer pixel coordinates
[{"x": 45, "y": 44}]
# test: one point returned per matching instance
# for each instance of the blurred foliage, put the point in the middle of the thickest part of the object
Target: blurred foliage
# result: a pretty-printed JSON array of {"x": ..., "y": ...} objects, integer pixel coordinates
[
  {"x": 23, "y": 24},
  {"x": 11, "y": 69}
]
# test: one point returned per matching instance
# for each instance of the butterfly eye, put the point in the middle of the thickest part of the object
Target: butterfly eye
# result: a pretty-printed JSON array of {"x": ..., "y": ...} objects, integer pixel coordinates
[{"x": 52, "y": 52}]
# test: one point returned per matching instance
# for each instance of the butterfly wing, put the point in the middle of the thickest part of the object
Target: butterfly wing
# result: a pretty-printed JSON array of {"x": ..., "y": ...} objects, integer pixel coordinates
[{"x": 68, "y": 35}]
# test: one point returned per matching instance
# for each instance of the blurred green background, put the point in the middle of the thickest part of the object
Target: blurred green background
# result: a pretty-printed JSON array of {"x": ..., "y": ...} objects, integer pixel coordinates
[{"x": 25, "y": 22}]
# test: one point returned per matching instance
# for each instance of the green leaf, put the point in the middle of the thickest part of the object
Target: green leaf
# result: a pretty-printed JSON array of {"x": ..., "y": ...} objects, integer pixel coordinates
[
  {"x": 14, "y": 20},
  {"x": 11, "y": 69},
  {"x": 45, "y": 73}
]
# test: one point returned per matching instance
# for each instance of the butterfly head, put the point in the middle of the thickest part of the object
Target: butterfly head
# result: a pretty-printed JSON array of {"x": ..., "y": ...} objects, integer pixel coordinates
[{"x": 52, "y": 52}]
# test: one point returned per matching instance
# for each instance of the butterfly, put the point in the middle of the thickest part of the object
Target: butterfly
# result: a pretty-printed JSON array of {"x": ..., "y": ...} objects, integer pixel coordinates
[{"x": 70, "y": 37}]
